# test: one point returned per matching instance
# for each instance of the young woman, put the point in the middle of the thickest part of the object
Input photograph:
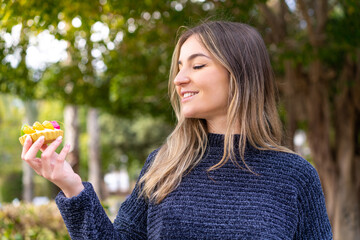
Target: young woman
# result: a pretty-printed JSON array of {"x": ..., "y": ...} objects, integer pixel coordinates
[{"x": 222, "y": 172}]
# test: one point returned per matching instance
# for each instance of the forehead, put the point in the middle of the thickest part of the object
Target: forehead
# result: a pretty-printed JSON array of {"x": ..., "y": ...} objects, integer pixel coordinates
[{"x": 190, "y": 46}]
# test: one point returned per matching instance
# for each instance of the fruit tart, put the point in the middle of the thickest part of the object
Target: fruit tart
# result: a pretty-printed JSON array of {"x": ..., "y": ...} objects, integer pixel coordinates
[{"x": 49, "y": 129}]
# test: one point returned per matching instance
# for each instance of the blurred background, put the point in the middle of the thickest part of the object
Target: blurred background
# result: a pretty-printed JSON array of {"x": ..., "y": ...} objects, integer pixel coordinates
[{"x": 100, "y": 68}]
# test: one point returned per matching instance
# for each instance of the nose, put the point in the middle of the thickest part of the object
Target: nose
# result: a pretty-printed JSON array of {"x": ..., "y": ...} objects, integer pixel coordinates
[{"x": 181, "y": 78}]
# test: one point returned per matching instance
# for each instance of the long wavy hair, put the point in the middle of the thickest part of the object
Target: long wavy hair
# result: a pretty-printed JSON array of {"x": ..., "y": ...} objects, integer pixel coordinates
[{"x": 251, "y": 105}]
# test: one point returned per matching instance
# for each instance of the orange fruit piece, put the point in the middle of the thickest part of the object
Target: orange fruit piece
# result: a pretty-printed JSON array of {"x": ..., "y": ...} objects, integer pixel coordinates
[
  {"x": 38, "y": 126},
  {"x": 28, "y": 130},
  {"x": 48, "y": 125}
]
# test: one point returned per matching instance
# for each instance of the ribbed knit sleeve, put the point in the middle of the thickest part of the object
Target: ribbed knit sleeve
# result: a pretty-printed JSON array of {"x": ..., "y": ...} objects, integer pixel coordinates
[
  {"x": 85, "y": 218},
  {"x": 313, "y": 219}
]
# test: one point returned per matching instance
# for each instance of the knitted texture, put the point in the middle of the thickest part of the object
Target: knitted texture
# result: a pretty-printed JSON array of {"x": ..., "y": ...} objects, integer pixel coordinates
[{"x": 283, "y": 200}]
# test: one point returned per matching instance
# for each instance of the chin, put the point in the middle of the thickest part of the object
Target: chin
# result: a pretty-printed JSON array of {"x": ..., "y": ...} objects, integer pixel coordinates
[{"x": 191, "y": 115}]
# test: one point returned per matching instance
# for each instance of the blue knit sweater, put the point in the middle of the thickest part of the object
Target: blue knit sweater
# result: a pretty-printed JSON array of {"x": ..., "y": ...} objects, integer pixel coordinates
[{"x": 284, "y": 201}]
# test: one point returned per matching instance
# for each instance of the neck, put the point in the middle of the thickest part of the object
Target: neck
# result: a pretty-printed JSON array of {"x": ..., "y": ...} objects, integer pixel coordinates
[{"x": 219, "y": 126}]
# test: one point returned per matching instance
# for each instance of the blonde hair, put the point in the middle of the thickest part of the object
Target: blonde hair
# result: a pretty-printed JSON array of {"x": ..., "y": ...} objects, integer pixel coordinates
[{"x": 252, "y": 106}]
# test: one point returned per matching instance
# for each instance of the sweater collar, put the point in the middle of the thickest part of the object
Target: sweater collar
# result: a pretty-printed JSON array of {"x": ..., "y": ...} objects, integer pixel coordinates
[{"x": 217, "y": 140}]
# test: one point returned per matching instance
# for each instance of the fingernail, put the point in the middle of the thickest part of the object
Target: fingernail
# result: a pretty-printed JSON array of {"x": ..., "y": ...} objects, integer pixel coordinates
[
  {"x": 42, "y": 138},
  {"x": 59, "y": 138},
  {"x": 28, "y": 138}
]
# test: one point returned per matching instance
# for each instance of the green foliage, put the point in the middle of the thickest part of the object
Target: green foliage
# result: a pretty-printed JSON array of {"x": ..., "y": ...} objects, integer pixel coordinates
[
  {"x": 10, "y": 148},
  {"x": 27, "y": 221},
  {"x": 11, "y": 186},
  {"x": 127, "y": 143},
  {"x": 343, "y": 33},
  {"x": 10, "y": 120}
]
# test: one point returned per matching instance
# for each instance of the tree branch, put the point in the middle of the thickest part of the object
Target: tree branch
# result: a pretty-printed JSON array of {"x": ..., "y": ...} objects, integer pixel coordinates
[
  {"x": 283, "y": 10},
  {"x": 278, "y": 28},
  {"x": 321, "y": 17},
  {"x": 309, "y": 26},
  {"x": 356, "y": 87}
]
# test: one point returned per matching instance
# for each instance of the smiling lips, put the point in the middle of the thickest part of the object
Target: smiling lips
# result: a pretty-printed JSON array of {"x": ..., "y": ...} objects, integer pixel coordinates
[{"x": 188, "y": 96}]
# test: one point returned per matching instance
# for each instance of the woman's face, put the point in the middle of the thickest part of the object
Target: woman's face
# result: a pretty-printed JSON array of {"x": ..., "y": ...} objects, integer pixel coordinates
[{"x": 202, "y": 83}]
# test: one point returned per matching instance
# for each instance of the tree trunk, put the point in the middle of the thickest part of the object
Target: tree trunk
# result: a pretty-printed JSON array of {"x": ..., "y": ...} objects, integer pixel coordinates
[
  {"x": 319, "y": 126},
  {"x": 72, "y": 132},
  {"x": 335, "y": 157},
  {"x": 31, "y": 114},
  {"x": 292, "y": 90},
  {"x": 94, "y": 151},
  {"x": 346, "y": 220}
]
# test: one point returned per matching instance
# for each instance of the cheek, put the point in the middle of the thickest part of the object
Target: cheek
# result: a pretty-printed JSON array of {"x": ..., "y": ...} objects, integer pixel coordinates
[
  {"x": 218, "y": 89},
  {"x": 220, "y": 97}
]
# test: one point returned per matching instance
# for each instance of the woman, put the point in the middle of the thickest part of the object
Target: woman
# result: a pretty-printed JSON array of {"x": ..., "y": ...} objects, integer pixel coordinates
[{"x": 222, "y": 173}]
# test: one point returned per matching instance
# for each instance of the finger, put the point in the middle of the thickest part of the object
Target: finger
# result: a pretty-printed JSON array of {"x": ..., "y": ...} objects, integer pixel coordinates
[
  {"x": 36, "y": 163},
  {"x": 51, "y": 148},
  {"x": 49, "y": 156},
  {"x": 61, "y": 158},
  {"x": 27, "y": 144},
  {"x": 64, "y": 152},
  {"x": 33, "y": 150}
]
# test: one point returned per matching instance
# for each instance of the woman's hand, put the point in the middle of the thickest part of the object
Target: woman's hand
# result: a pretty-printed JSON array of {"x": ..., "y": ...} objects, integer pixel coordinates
[{"x": 52, "y": 165}]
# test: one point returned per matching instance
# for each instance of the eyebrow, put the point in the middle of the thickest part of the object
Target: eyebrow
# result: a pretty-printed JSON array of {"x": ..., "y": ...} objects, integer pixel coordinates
[{"x": 195, "y": 55}]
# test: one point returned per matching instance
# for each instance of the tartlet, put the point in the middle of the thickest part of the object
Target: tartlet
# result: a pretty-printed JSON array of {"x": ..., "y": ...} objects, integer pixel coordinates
[{"x": 49, "y": 129}]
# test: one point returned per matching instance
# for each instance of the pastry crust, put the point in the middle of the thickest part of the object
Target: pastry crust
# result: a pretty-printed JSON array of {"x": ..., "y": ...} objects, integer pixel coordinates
[{"x": 50, "y": 136}]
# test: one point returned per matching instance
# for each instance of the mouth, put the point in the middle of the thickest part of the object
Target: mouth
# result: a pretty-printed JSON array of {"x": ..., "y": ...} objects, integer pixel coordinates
[{"x": 188, "y": 95}]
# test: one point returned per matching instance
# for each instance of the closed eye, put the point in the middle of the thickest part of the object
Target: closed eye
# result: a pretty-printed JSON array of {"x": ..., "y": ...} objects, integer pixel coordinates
[{"x": 199, "y": 66}]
